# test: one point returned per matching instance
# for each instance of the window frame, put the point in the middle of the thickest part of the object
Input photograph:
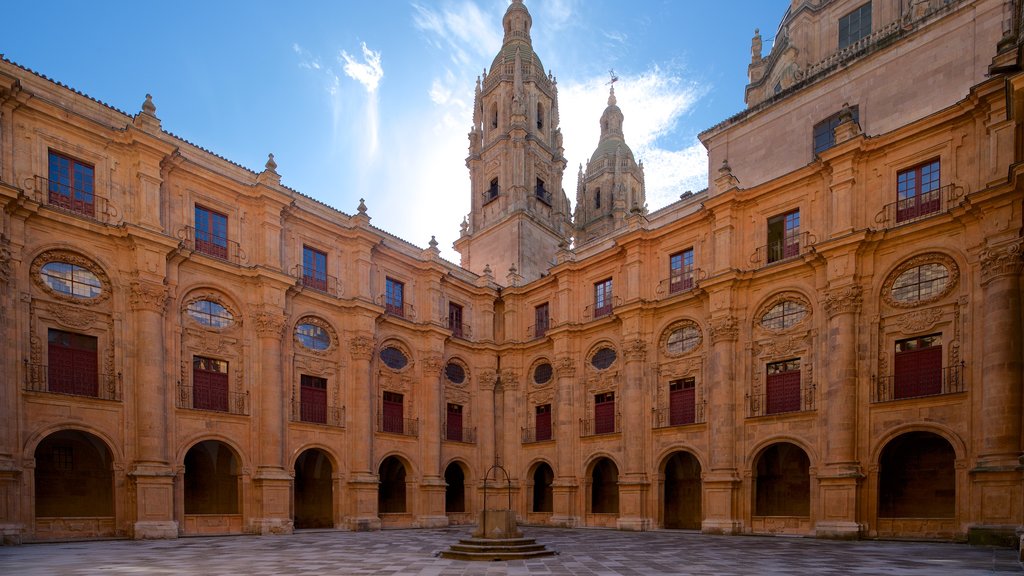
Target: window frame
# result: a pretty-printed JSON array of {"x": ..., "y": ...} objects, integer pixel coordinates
[
  {"x": 823, "y": 134},
  {"x": 455, "y": 312},
  {"x": 783, "y": 234},
  {"x": 851, "y": 26},
  {"x": 394, "y": 296},
  {"x": 80, "y": 197},
  {"x": 680, "y": 271},
  {"x": 913, "y": 200},
  {"x": 541, "y": 319},
  {"x": 602, "y": 298},
  {"x": 207, "y": 222},
  {"x": 314, "y": 268}
]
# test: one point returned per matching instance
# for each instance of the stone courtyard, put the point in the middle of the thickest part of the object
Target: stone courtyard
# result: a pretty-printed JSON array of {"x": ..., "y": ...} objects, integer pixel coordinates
[{"x": 589, "y": 551}]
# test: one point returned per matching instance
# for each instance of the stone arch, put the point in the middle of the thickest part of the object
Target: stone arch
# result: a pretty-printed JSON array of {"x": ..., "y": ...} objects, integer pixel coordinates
[
  {"x": 455, "y": 476},
  {"x": 950, "y": 261},
  {"x": 317, "y": 320},
  {"x": 313, "y": 489},
  {"x": 74, "y": 478},
  {"x": 211, "y": 291},
  {"x": 917, "y": 476},
  {"x": 669, "y": 328},
  {"x": 782, "y": 480},
  {"x": 680, "y": 472},
  {"x": 947, "y": 433},
  {"x": 795, "y": 294},
  {"x": 395, "y": 475},
  {"x": 602, "y": 485},
  {"x": 539, "y": 481},
  {"x": 213, "y": 470},
  {"x": 243, "y": 461},
  {"x": 398, "y": 343}
]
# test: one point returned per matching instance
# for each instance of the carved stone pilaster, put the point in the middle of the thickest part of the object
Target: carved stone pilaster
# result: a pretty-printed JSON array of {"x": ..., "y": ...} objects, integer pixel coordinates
[
  {"x": 1004, "y": 260},
  {"x": 565, "y": 367},
  {"x": 488, "y": 379},
  {"x": 635, "y": 350},
  {"x": 6, "y": 270},
  {"x": 268, "y": 321},
  {"x": 360, "y": 347},
  {"x": 148, "y": 296},
  {"x": 843, "y": 300},
  {"x": 724, "y": 329}
]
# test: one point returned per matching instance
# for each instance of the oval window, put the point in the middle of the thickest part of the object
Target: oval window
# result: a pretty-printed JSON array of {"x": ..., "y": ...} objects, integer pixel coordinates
[
  {"x": 393, "y": 358},
  {"x": 210, "y": 313},
  {"x": 542, "y": 373},
  {"x": 71, "y": 279},
  {"x": 312, "y": 336},
  {"x": 784, "y": 315},
  {"x": 455, "y": 373},
  {"x": 683, "y": 339},
  {"x": 920, "y": 283},
  {"x": 603, "y": 358}
]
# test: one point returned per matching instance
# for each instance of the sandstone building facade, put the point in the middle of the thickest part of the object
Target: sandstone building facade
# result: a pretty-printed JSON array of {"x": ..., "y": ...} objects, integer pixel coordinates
[{"x": 827, "y": 341}]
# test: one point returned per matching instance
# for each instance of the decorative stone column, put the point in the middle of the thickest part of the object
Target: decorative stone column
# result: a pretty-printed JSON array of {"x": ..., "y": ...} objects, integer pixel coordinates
[
  {"x": 271, "y": 482},
  {"x": 432, "y": 484},
  {"x": 721, "y": 483},
  {"x": 488, "y": 379},
  {"x": 839, "y": 477},
  {"x": 633, "y": 483},
  {"x": 10, "y": 474},
  {"x": 565, "y": 488},
  {"x": 997, "y": 475},
  {"x": 361, "y": 413},
  {"x": 151, "y": 474}
]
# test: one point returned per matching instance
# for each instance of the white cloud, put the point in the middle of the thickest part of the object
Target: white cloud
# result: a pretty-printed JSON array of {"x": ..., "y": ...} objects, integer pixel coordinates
[{"x": 368, "y": 73}]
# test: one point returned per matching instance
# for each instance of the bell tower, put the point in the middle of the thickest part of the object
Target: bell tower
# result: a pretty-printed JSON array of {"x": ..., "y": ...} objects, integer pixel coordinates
[
  {"x": 519, "y": 214},
  {"x": 612, "y": 187}
]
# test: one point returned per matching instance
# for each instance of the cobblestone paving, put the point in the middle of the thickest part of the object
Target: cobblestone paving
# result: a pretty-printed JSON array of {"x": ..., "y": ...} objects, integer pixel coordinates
[{"x": 592, "y": 552}]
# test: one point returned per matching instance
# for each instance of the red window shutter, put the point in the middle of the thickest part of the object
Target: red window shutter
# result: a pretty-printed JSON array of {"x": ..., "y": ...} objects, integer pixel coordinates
[
  {"x": 783, "y": 392},
  {"x": 313, "y": 400},
  {"x": 393, "y": 417},
  {"x": 543, "y": 424},
  {"x": 209, "y": 390},
  {"x": 454, "y": 423},
  {"x": 681, "y": 407},
  {"x": 73, "y": 364},
  {"x": 604, "y": 417},
  {"x": 918, "y": 372}
]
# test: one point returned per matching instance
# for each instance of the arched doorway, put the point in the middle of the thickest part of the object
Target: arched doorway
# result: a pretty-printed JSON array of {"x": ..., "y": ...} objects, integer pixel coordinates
[
  {"x": 455, "y": 489},
  {"x": 681, "y": 492},
  {"x": 74, "y": 479},
  {"x": 314, "y": 496},
  {"x": 917, "y": 477},
  {"x": 391, "y": 492},
  {"x": 604, "y": 487},
  {"x": 782, "y": 481},
  {"x": 211, "y": 489},
  {"x": 543, "y": 497}
]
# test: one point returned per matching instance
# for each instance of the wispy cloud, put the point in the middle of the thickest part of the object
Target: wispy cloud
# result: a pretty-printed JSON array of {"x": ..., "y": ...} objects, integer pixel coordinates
[{"x": 369, "y": 73}]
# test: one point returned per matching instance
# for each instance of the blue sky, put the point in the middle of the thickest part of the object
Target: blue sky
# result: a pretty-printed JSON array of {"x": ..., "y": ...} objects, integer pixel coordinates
[{"x": 373, "y": 99}]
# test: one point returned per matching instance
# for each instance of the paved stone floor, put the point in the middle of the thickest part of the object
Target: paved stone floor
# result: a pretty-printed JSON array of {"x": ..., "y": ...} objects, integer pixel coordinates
[{"x": 594, "y": 552}]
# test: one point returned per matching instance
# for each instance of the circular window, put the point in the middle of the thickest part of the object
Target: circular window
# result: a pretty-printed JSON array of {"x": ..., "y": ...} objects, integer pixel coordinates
[
  {"x": 393, "y": 358},
  {"x": 542, "y": 373},
  {"x": 312, "y": 336},
  {"x": 920, "y": 283},
  {"x": 784, "y": 315},
  {"x": 71, "y": 279},
  {"x": 210, "y": 313},
  {"x": 455, "y": 373},
  {"x": 603, "y": 358},
  {"x": 683, "y": 339}
]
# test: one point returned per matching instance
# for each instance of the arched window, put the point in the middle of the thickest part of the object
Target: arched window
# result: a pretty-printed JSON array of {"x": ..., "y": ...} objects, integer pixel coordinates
[
  {"x": 597, "y": 198},
  {"x": 784, "y": 315},
  {"x": 210, "y": 313},
  {"x": 71, "y": 279},
  {"x": 540, "y": 116}
]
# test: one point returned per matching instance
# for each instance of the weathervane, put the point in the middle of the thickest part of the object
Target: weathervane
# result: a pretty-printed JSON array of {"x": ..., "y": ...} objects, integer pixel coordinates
[{"x": 614, "y": 78}]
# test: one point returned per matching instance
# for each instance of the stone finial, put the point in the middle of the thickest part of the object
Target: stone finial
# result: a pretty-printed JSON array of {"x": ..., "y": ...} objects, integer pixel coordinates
[
  {"x": 433, "y": 242},
  {"x": 362, "y": 207},
  {"x": 846, "y": 114},
  {"x": 146, "y": 119},
  {"x": 725, "y": 169},
  {"x": 488, "y": 272},
  {"x": 464, "y": 229},
  {"x": 726, "y": 179},
  {"x": 148, "y": 107},
  {"x": 611, "y": 96},
  {"x": 755, "y": 47},
  {"x": 271, "y": 166}
]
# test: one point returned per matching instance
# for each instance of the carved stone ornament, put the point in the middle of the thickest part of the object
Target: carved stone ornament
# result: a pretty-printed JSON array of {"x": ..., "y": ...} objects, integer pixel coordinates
[
  {"x": 635, "y": 350},
  {"x": 542, "y": 397},
  {"x": 724, "y": 329},
  {"x": 845, "y": 300},
  {"x": 361, "y": 347},
  {"x": 5, "y": 263},
  {"x": 148, "y": 296},
  {"x": 509, "y": 379},
  {"x": 488, "y": 379},
  {"x": 432, "y": 365},
  {"x": 69, "y": 257},
  {"x": 932, "y": 258},
  {"x": 918, "y": 320},
  {"x": 457, "y": 396},
  {"x": 565, "y": 367},
  {"x": 71, "y": 317},
  {"x": 268, "y": 321},
  {"x": 1005, "y": 260},
  {"x": 779, "y": 347}
]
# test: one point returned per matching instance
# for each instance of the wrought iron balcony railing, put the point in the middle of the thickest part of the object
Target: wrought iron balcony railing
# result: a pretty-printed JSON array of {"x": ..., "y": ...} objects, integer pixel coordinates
[
  {"x": 398, "y": 425},
  {"x": 211, "y": 245},
  {"x": 919, "y": 383},
  {"x": 317, "y": 280},
  {"x": 78, "y": 201},
  {"x": 453, "y": 434},
  {"x": 680, "y": 283},
  {"x": 398, "y": 309},
  {"x": 43, "y": 378},
  {"x": 538, "y": 330},
  {"x": 459, "y": 329},
  {"x": 665, "y": 417},
  {"x": 317, "y": 413},
  {"x": 920, "y": 207},
  {"x": 595, "y": 311},
  {"x": 783, "y": 250},
  {"x": 781, "y": 401},
  {"x": 213, "y": 400},
  {"x": 599, "y": 426},
  {"x": 532, "y": 435}
]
